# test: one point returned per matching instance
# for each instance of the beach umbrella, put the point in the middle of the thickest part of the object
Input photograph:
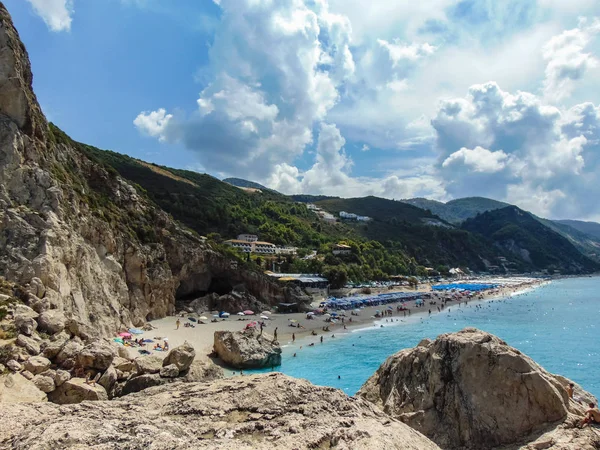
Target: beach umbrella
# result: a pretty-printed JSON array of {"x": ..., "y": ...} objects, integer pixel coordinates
[
  {"x": 390, "y": 307},
  {"x": 310, "y": 313},
  {"x": 293, "y": 320},
  {"x": 225, "y": 314},
  {"x": 264, "y": 317},
  {"x": 249, "y": 313},
  {"x": 267, "y": 313},
  {"x": 241, "y": 314},
  {"x": 203, "y": 318},
  {"x": 125, "y": 334}
]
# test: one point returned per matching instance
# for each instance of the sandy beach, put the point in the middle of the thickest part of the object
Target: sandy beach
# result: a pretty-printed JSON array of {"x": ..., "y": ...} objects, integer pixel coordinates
[{"x": 201, "y": 335}]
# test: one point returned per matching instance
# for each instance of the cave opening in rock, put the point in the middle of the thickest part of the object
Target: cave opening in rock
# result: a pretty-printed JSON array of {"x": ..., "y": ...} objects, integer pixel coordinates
[{"x": 189, "y": 290}]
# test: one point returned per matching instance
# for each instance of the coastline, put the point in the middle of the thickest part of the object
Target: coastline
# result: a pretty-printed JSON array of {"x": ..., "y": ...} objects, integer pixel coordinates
[{"x": 201, "y": 335}]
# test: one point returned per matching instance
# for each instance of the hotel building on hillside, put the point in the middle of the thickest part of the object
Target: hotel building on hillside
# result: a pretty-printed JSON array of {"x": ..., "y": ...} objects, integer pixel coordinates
[{"x": 249, "y": 243}]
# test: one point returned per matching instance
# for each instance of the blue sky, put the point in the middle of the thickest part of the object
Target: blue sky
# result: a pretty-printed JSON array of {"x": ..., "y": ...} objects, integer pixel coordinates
[{"x": 438, "y": 98}]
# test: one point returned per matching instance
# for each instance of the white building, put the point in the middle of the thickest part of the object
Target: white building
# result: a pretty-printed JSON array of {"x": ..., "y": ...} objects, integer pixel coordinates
[
  {"x": 325, "y": 216},
  {"x": 248, "y": 237},
  {"x": 363, "y": 218},
  {"x": 342, "y": 249},
  {"x": 347, "y": 215},
  {"x": 264, "y": 247},
  {"x": 244, "y": 246},
  {"x": 285, "y": 250}
]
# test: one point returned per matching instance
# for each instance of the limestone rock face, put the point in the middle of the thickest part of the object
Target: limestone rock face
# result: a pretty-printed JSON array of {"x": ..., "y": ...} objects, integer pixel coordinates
[
  {"x": 76, "y": 390},
  {"x": 14, "y": 388},
  {"x": 247, "y": 349},
  {"x": 470, "y": 390},
  {"x": 55, "y": 203},
  {"x": 182, "y": 357},
  {"x": 25, "y": 320},
  {"x": 252, "y": 412},
  {"x": 28, "y": 343}
]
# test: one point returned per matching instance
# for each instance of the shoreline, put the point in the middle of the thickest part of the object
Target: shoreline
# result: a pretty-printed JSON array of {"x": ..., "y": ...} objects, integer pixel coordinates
[{"x": 201, "y": 336}]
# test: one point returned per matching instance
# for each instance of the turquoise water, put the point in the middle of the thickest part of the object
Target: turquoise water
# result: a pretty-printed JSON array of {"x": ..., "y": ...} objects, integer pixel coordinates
[{"x": 555, "y": 324}]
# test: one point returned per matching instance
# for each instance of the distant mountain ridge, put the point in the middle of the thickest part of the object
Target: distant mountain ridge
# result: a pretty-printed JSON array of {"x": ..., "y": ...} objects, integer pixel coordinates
[
  {"x": 536, "y": 245},
  {"x": 458, "y": 210},
  {"x": 589, "y": 228}
]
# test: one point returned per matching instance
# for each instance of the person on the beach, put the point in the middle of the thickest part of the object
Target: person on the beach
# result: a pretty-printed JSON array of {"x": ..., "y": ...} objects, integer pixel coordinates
[
  {"x": 293, "y": 337},
  {"x": 570, "y": 389},
  {"x": 592, "y": 415},
  {"x": 262, "y": 325},
  {"x": 275, "y": 334},
  {"x": 321, "y": 339},
  {"x": 165, "y": 345},
  {"x": 177, "y": 324}
]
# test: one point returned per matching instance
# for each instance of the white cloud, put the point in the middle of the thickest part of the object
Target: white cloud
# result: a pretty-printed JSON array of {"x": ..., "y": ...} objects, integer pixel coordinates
[
  {"x": 542, "y": 158},
  {"x": 365, "y": 148},
  {"x": 153, "y": 123},
  {"x": 567, "y": 60},
  {"x": 277, "y": 71},
  {"x": 478, "y": 159},
  {"x": 58, "y": 14}
]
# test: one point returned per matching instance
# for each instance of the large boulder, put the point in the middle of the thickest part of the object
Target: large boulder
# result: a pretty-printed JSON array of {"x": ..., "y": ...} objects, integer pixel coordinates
[
  {"x": 67, "y": 352},
  {"x": 15, "y": 389},
  {"x": 170, "y": 371},
  {"x": 139, "y": 383},
  {"x": 44, "y": 383},
  {"x": 271, "y": 411},
  {"x": 182, "y": 356},
  {"x": 76, "y": 390},
  {"x": 29, "y": 344},
  {"x": 25, "y": 322},
  {"x": 247, "y": 349},
  {"x": 51, "y": 348},
  {"x": 148, "y": 364},
  {"x": 202, "y": 371},
  {"x": 37, "y": 364},
  {"x": 98, "y": 355},
  {"x": 470, "y": 390},
  {"x": 51, "y": 321},
  {"x": 108, "y": 379}
]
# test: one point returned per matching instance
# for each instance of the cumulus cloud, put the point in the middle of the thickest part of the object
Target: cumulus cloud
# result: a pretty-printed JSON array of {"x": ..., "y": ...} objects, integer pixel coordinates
[
  {"x": 153, "y": 123},
  {"x": 58, "y": 14},
  {"x": 478, "y": 159},
  {"x": 567, "y": 60},
  {"x": 277, "y": 71},
  {"x": 517, "y": 148},
  {"x": 331, "y": 175}
]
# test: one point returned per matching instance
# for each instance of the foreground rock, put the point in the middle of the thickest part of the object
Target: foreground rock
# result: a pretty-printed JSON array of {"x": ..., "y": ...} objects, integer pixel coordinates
[
  {"x": 471, "y": 390},
  {"x": 247, "y": 349},
  {"x": 14, "y": 388},
  {"x": 76, "y": 390},
  {"x": 255, "y": 412}
]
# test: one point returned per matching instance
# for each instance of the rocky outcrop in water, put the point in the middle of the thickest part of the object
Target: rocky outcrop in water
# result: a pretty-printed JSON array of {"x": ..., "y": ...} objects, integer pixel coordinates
[
  {"x": 248, "y": 349},
  {"x": 470, "y": 390},
  {"x": 88, "y": 247},
  {"x": 251, "y": 412}
]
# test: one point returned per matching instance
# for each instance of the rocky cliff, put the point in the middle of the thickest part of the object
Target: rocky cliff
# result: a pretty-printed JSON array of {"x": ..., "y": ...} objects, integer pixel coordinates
[
  {"x": 470, "y": 390},
  {"x": 80, "y": 238},
  {"x": 251, "y": 412}
]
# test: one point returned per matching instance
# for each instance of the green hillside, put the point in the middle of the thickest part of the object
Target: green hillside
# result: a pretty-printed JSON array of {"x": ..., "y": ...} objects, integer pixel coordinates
[
  {"x": 535, "y": 245},
  {"x": 404, "y": 226},
  {"x": 240, "y": 182},
  {"x": 400, "y": 240},
  {"x": 378, "y": 208}
]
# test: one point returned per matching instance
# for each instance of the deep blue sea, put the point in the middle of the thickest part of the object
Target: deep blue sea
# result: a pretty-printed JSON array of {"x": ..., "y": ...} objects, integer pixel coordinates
[{"x": 555, "y": 324}]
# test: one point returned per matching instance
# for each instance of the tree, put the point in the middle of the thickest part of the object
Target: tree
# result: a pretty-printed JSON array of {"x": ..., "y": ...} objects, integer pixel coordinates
[{"x": 338, "y": 277}]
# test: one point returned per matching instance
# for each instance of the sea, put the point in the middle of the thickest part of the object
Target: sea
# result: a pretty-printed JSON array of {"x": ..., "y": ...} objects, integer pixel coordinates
[{"x": 556, "y": 324}]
